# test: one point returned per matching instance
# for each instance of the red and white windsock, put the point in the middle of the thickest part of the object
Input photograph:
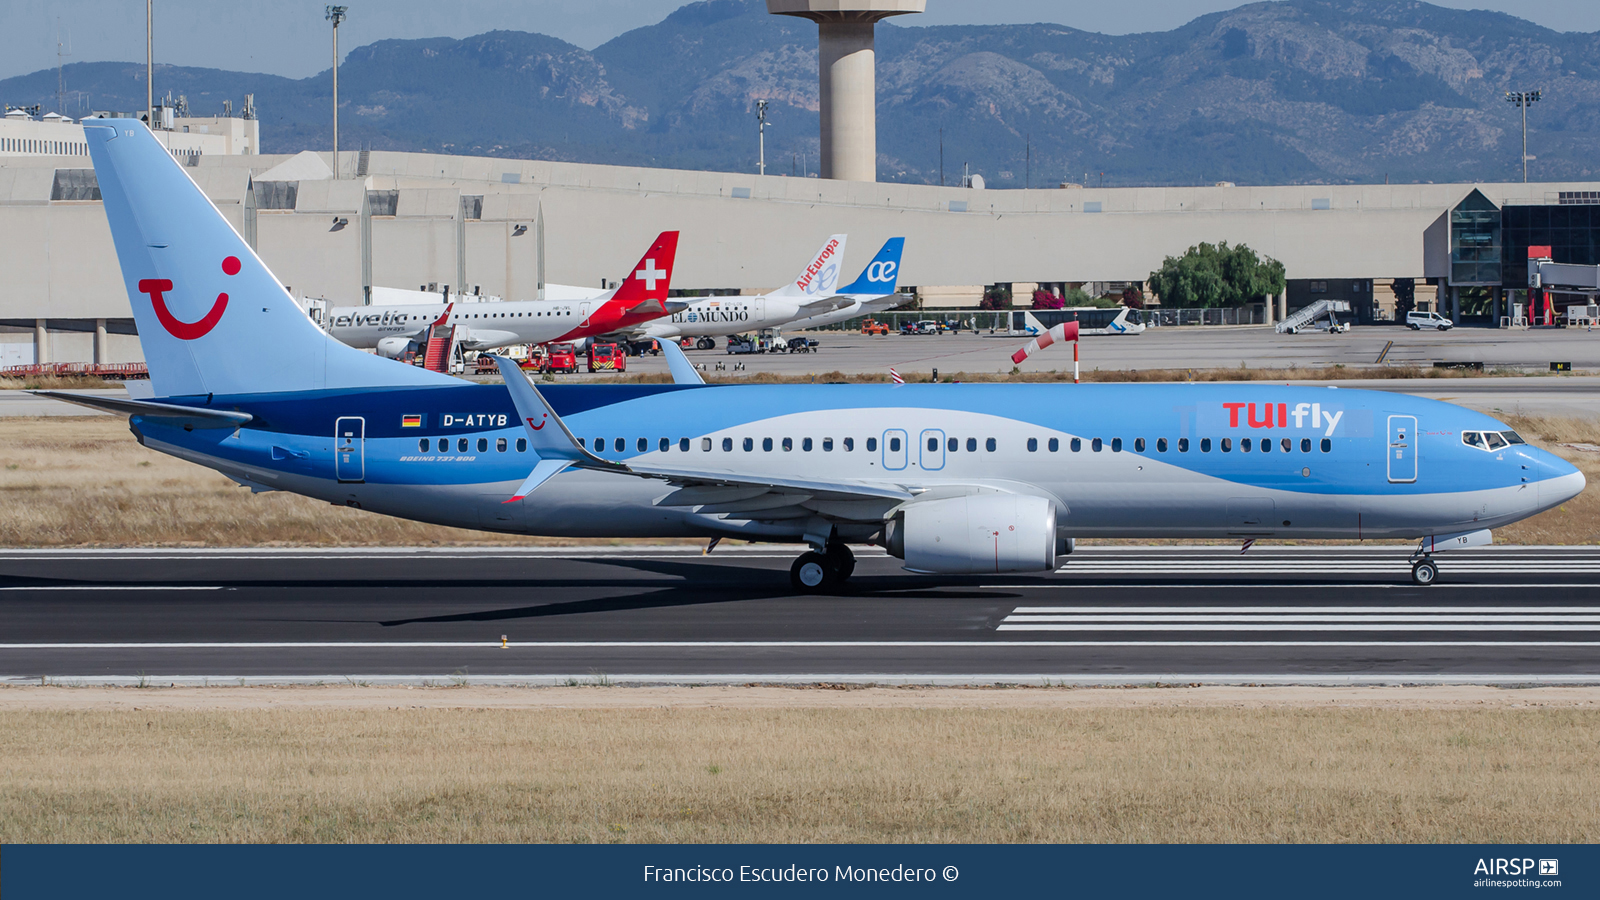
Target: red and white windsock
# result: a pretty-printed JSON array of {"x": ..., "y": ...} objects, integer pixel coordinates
[{"x": 1066, "y": 331}]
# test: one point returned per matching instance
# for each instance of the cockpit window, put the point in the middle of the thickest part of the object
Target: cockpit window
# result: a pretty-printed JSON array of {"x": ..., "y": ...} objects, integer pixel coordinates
[
  {"x": 1472, "y": 439},
  {"x": 1495, "y": 440},
  {"x": 1512, "y": 437}
]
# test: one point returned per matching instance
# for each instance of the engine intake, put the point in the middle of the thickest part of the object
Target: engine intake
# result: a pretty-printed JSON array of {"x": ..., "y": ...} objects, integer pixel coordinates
[{"x": 985, "y": 533}]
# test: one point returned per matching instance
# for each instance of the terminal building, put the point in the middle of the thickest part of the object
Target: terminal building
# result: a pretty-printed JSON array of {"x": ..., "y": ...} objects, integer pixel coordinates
[{"x": 490, "y": 227}]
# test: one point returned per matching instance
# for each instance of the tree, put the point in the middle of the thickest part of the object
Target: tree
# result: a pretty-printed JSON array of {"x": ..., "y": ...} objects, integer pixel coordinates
[
  {"x": 995, "y": 297},
  {"x": 1043, "y": 299},
  {"x": 1211, "y": 275}
]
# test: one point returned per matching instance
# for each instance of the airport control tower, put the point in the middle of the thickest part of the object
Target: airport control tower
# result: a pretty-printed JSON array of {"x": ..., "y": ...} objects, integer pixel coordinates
[{"x": 846, "y": 78}]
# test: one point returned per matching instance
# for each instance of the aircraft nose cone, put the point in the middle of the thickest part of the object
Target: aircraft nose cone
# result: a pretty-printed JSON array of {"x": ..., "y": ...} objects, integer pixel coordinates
[{"x": 1561, "y": 480}]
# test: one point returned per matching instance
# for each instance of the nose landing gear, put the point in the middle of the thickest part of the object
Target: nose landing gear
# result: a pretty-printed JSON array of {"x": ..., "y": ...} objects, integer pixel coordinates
[{"x": 817, "y": 572}]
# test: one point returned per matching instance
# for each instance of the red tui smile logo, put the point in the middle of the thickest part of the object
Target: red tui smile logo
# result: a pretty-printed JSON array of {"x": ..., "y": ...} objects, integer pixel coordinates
[
  {"x": 186, "y": 331},
  {"x": 541, "y": 422}
]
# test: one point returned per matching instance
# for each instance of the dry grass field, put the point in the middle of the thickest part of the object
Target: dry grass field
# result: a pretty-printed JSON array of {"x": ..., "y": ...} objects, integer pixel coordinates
[
  {"x": 985, "y": 768},
  {"x": 86, "y": 482}
]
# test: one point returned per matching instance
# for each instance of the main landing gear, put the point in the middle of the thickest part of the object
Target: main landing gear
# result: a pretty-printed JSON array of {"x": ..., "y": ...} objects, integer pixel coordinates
[
  {"x": 1424, "y": 571},
  {"x": 705, "y": 343},
  {"x": 817, "y": 572}
]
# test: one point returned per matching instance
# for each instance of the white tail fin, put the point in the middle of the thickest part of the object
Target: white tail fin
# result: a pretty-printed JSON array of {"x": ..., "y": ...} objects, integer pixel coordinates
[{"x": 820, "y": 276}]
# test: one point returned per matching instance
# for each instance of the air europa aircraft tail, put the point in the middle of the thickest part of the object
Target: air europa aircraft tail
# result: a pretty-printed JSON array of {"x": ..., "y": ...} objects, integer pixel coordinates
[
  {"x": 820, "y": 276},
  {"x": 880, "y": 275},
  {"x": 212, "y": 319}
]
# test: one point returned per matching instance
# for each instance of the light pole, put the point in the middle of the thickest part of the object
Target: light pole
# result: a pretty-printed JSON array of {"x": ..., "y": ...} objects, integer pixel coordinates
[
  {"x": 1522, "y": 99},
  {"x": 336, "y": 14},
  {"x": 149, "y": 64},
  {"x": 761, "y": 118}
]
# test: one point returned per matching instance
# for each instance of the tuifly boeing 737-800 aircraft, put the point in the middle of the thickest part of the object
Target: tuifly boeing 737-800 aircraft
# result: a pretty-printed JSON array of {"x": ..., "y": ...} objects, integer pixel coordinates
[{"x": 975, "y": 478}]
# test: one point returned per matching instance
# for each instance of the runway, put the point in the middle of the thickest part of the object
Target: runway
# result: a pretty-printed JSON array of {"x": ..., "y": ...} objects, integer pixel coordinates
[{"x": 1112, "y": 615}]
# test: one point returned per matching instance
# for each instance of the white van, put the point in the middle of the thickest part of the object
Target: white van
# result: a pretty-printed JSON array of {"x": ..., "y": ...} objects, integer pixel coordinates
[{"x": 1416, "y": 321}]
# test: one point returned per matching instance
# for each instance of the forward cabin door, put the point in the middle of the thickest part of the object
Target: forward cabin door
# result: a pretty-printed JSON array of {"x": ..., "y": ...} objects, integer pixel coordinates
[
  {"x": 1402, "y": 449},
  {"x": 349, "y": 449}
]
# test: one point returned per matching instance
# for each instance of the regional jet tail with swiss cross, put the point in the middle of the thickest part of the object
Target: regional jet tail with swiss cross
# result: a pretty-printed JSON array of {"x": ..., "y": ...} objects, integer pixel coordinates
[
  {"x": 951, "y": 478},
  {"x": 810, "y": 293},
  {"x": 392, "y": 329}
]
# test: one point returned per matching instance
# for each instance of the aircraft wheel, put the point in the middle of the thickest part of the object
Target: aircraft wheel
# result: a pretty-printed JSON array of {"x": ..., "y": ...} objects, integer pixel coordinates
[
  {"x": 811, "y": 573},
  {"x": 842, "y": 561},
  {"x": 1425, "y": 572},
  {"x": 705, "y": 343}
]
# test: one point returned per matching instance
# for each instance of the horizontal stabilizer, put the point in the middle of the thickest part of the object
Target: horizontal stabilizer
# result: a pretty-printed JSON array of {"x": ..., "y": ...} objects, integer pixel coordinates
[
  {"x": 544, "y": 471},
  {"x": 198, "y": 417}
]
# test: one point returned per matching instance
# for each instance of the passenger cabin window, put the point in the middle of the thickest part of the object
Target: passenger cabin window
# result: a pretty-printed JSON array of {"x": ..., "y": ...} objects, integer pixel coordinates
[
  {"x": 1227, "y": 445},
  {"x": 1033, "y": 445},
  {"x": 522, "y": 445},
  {"x": 1161, "y": 445},
  {"x": 849, "y": 444},
  {"x": 788, "y": 445},
  {"x": 1077, "y": 444},
  {"x": 1305, "y": 445},
  {"x": 665, "y": 444},
  {"x": 989, "y": 445},
  {"x": 1286, "y": 445},
  {"x": 953, "y": 444},
  {"x": 1095, "y": 445},
  {"x": 1138, "y": 445},
  {"x": 1055, "y": 444},
  {"x": 872, "y": 445},
  {"x": 1266, "y": 445},
  {"x": 1244, "y": 445},
  {"x": 972, "y": 445},
  {"x": 1327, "y": 445},
  {"x": 500, "y": 445},
  {"x": 483, "y": 445},
  {"x": 644, "y": 444},
  {"x": 1116, "y": 445},
  {"x": 806, "y": 445},
  {"x": 620, "y": 443},
  {"x": 444, "y": 444},
  {"x": 827, "y": 445},
  {"x": 766, "y": 445},
  {"x": 894, "y": 445},
  {"x": 933, "y": 445},
  {"x": 461, "y": 445},
  {"x": 727, "y": 445},
  {"x": 422, "y": 446},
  {"x": 683, "y": 445},
  {"x": 749, "y": 444}
]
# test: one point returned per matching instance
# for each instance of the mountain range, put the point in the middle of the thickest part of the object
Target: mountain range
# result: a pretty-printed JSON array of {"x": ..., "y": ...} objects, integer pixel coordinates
[{"x": 1290, "y": 91}]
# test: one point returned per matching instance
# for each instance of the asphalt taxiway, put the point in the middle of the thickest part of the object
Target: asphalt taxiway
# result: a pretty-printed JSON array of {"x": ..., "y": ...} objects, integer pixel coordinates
[{"x": 1110, "y": 615}]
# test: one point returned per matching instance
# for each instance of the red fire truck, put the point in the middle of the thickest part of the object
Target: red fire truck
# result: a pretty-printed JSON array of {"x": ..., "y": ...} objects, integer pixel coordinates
[{"x": 607, "y": 358}]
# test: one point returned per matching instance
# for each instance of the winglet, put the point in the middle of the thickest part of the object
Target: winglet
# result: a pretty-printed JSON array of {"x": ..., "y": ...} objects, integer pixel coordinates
[{"x": 678, "y": 364}]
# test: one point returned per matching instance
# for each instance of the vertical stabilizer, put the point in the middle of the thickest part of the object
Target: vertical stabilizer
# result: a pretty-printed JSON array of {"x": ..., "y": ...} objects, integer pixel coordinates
[
  {"x": 820, "y": 276},
  {"x": 212, "y": 319},
  {"x": 881, "y": 275}
]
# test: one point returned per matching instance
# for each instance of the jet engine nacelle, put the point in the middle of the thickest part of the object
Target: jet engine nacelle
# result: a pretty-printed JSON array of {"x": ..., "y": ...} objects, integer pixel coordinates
[
  {"x": 982, "y": 533},
  {"x": 393, "y": 347}
]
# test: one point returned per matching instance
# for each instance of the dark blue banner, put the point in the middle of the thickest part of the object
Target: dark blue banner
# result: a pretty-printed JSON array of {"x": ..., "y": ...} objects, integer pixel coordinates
[{"x": 343, "y": 872}]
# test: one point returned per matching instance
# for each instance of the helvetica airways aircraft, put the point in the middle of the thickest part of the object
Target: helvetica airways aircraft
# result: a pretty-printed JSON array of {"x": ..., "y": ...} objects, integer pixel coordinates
[
  {"x": 810, "y": 293},
  {"x": 642, "y": 296},
  {"x": 972, "y": 478}
]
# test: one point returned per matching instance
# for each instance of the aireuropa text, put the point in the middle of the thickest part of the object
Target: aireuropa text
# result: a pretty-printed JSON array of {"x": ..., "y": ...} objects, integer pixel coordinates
[{"x": 794, "y": 873}]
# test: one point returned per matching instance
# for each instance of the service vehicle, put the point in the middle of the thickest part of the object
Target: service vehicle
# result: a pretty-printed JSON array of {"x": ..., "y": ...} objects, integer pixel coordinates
[
  {"x": 607, "y": 358},
  {"x": 740, "y": 344},
  {"x": 1416, "y": 321},
  {"x": 874, "y": 327},
  {"x": 561, "y": 358}
]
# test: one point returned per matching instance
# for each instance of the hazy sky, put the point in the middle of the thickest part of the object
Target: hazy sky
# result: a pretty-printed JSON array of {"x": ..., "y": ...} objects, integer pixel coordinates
[{"x": 289, "y": 37}]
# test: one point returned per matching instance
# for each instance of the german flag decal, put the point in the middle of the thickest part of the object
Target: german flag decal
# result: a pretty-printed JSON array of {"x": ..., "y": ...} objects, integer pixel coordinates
[{"x": 410, "y": 421}]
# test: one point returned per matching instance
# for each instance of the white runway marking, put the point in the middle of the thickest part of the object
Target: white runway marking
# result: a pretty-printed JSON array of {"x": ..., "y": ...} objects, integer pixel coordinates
[
  {"x": 116, "y": 587},
  {"x": 1289, "y": 619},
  {"x": 739, "y": 645}
]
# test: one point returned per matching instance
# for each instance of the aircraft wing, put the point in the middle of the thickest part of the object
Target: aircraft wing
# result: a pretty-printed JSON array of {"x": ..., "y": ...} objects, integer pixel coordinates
[
  {"x": 558, "y": 449},
  {"x": 198, "y": 417}
]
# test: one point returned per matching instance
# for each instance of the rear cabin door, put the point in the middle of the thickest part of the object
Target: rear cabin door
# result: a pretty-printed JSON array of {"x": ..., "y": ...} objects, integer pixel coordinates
[
  {"x": 1402, "y": 449},
  {"x": 894, "y": 449},
  {"x": 349, "y": 449}
]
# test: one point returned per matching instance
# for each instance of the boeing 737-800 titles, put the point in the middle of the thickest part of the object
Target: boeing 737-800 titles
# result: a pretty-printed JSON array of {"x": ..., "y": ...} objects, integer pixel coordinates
[
  {"x": 970, "y": 478},
  {"x": 641, "y": 297}
]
